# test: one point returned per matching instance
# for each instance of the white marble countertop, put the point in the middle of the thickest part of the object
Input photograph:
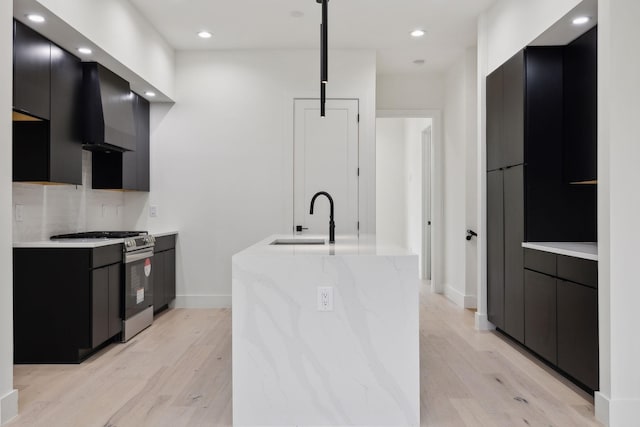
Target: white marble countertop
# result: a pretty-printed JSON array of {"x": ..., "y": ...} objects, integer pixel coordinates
[
  {"x": 81, "y": 243},
  {"x": 585, "y": 250},
  {"x": 345, "y": 245}
]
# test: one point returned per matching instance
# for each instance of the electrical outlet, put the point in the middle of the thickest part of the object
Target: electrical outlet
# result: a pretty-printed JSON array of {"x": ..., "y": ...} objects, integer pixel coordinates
[
  {"x": 19, "y": 213},
  {"x": 325, "y": 298},
  {"x": 104, "y": 210},
  {"x": 153, "y": 211},
  {"x": 119, "y": 210}
]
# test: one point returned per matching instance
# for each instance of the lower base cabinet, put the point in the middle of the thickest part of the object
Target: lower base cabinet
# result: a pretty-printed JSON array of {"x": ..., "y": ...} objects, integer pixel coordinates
[
  {"x": 164, "y": 272},
  {"x": 68, "y": 306},
  {"x": 540, "y": 314},
  {"x": 561, "y": 314},
  {"x": 577, "y": 322}
]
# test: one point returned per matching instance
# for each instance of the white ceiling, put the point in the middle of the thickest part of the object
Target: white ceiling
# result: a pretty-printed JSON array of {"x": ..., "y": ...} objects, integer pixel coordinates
[{"x": 383, "y": 25}]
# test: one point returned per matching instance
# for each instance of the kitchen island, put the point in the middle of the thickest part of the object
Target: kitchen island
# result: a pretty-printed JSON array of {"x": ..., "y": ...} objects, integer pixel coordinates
[{"x": 325, "y": 334}]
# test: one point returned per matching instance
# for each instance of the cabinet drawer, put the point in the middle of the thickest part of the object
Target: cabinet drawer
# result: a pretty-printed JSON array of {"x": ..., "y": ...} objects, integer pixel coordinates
[
  {"x": 106, "y": 255},
  {"x": 165, "y": 243},
  {"x": 543, "y": 262},
  {"x": 578, "y": 270}
]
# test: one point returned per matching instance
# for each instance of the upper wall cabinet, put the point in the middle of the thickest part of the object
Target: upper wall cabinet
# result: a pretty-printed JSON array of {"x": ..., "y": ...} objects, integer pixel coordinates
[
  {"x": 128, "y": 170},
  {"x": 47, "y": 148},
  {"x": 581, "y": 109},
  {"x": 505, "y": 114},
  {"x": 31, "y": 72}
]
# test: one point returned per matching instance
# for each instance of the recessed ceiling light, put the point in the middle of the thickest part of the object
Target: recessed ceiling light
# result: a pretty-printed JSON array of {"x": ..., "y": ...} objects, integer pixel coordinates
[
  {"x": 35, "y": 18},
  {"x": 150, "y": 94},
  {"x": 419, "y": 62},
  {"x": 297, "y": 14},
  {"x": 417, "y": 33},
  {"x": 581, "y": 20},
  {"x": 204, "y": 34},
  {"x": 85, "y": 50}
]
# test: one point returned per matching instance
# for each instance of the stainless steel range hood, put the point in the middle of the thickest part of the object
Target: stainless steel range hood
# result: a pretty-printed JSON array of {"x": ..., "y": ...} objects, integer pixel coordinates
[{"x": 107, "y": 110}]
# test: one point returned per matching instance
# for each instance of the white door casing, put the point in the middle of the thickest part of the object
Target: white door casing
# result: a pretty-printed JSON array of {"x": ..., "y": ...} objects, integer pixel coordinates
[{"x": 326, "y": 159}]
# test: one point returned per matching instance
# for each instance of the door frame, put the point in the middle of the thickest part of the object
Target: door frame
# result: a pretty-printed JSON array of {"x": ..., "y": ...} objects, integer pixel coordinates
[{"x": 437, "y": 205}]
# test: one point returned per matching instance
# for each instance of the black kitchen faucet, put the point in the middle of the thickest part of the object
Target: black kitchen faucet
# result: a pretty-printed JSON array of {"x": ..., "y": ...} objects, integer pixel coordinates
[{"x": 332, "y": 225}]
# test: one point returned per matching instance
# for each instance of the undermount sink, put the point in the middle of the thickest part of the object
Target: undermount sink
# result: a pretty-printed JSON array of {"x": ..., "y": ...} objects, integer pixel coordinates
[{"x": 298, "y": 242}]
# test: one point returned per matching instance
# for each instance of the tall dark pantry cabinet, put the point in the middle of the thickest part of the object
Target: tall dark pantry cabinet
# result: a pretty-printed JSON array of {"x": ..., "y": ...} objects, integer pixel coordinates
[{"x": 505, "y": 198}]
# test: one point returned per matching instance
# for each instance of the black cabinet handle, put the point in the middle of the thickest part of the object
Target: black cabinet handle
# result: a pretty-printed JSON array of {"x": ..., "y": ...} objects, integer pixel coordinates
[
  {"x": 299, "y": 228},
  {"x": 470, "y": 234}
]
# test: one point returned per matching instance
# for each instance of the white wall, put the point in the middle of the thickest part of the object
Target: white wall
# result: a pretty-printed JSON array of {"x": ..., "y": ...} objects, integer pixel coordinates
[
  {"x": 618, "y": 401},
  {"x": 221, "y": 157},
  {"x": 58, "y": 209},
  {"x": 8, "y": 396},
  {"x": 119, "y": 29},
  {"x": 410, "y": 92},
  {"x": 391, "y": 172},
  {"x": 459, "y": 130}
]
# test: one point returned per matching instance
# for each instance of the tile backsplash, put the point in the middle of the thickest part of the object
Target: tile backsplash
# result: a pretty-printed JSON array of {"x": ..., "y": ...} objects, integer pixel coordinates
[{"x": 46, "y": 210}]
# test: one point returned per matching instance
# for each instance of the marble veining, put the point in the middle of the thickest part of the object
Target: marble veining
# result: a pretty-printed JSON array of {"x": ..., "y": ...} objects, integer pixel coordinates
[{"x": 356, "y": 365}]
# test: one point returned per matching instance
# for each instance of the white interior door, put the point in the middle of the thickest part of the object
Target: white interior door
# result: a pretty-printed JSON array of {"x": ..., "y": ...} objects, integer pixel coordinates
[{"x": 326, "y": 159}]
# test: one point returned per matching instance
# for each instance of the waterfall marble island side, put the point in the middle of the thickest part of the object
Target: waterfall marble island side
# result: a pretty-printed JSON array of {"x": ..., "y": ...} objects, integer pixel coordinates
[{"x": 354, "y": 364}]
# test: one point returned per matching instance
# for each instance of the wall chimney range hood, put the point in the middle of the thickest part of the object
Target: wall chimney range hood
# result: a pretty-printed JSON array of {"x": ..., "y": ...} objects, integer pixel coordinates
[{"x": 108, "y": 123}]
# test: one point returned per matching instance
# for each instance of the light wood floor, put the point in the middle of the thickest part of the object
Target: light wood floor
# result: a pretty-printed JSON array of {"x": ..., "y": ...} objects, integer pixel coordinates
[{"x": 178, "y": 373}]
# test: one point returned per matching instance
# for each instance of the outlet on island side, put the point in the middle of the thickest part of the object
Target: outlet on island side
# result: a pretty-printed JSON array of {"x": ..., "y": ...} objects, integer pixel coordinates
[
  {"x": 153, "y": 211},
  {"x": 325, "y": 298}
]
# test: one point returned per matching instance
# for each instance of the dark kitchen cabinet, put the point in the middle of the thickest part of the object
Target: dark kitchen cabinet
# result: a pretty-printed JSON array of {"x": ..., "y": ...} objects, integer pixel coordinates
[
  {"x": 69, "y": 306},
  {"x": 31, "y": 72},
  {"x": 106, "y": 318},
  {"x": 164, "y": 273},
  {"x": 540, "y": 314},
  {"x": 505, "y": 257},
  {"x": 505, "y": 114},
  {"x": 578, "y": 332},
  {"x": 127, "y": 170},
  {"x": 581, "y": 109},
  {"x": 513, "y": 252},
  {"x": 561, "y": 313},
  {"x": 495, "y": 247},
  {"x": 50, "y": 150}
]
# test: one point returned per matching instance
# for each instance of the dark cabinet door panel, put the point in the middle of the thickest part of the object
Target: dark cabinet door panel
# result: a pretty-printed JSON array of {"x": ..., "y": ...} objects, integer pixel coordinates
[
  {"x": 513, "y": 252},
  {"x": 540, "y": 314},
  {"x": 159, "y": 280},
  {"x": 578, "y": 332},
  {"x": 494, "y": 120},
  {"x": 65, "y": 152},
  {"x": 99, "y": 306},
  {"x": 170, "y": 275},
  {"x": 31, "y": 71},
  {"x": 115, "y": 288},
  {"x": 513, "y": 110},
  {"x": 495, "y": 248}
]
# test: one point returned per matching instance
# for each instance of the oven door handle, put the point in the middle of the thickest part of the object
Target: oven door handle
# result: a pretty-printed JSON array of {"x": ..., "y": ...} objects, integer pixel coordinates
[{"x": 137, "y": 256}]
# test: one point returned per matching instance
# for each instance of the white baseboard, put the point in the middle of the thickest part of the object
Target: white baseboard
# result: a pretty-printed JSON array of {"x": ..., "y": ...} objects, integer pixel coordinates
[
  {"x": 8, "y": 406},
  {"x": 617, "y": 412},
  {"x": 482, "y": 322},
  {"x": 203, "y": 301},
  {"x": 461, "y": 300},
  {"x": 601, "y": 404}
]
